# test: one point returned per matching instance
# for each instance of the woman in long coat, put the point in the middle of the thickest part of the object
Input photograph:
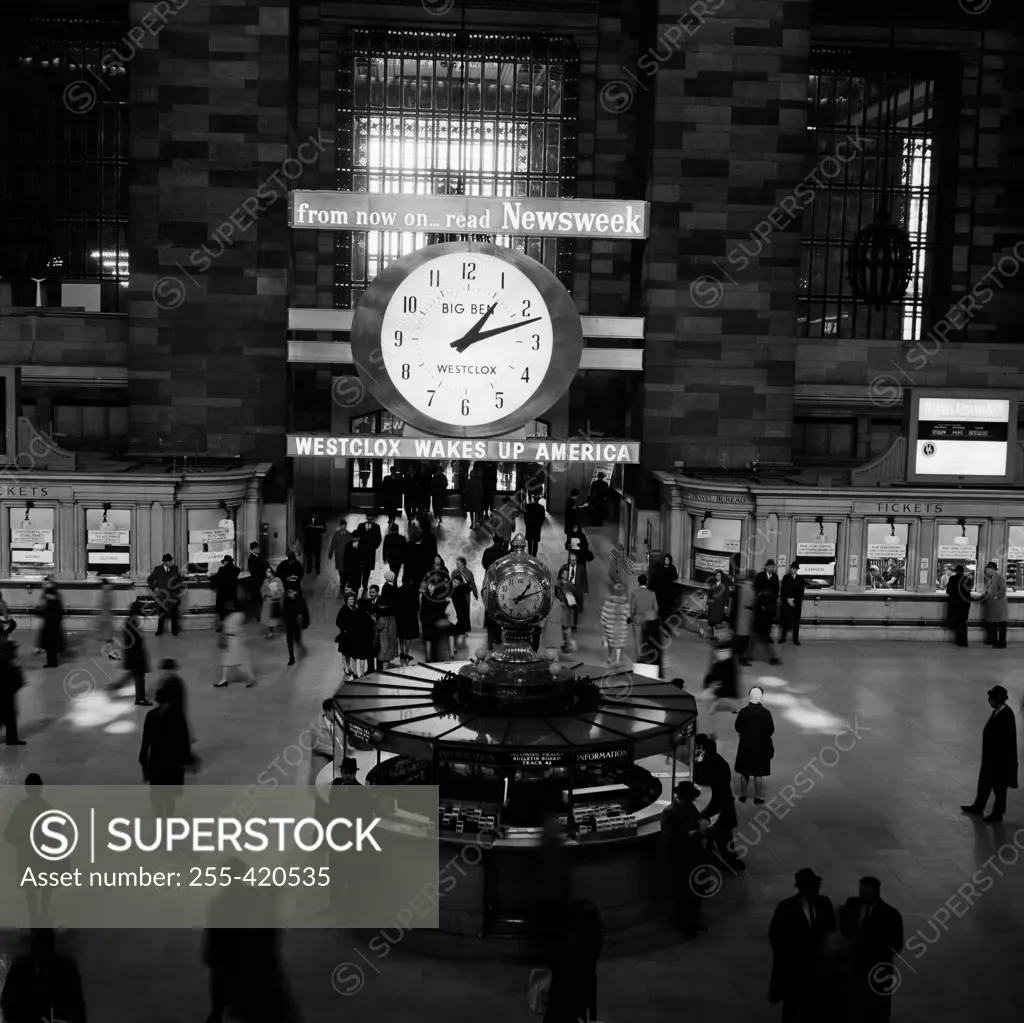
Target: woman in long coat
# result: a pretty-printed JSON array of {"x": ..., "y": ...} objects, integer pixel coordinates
[
  {"x": 718, "y": 600},
  {"x": 387, "y": 625},
  {"x": 615, "y": 622},
  {"x": 463, "y": 588},
  {"x": 234, "y": 652},
  {"x": 356, "y": 634},
  {"x": 755, "y": 727},
  {"x": 435, "y": 593},
  {"x": 135, "y": 659},
  {"x": 407, "y": 615},
  {"x": 51, "y": 633},
  {"x": 663, "y": 581},
  {"x": 272, "y": 592}
]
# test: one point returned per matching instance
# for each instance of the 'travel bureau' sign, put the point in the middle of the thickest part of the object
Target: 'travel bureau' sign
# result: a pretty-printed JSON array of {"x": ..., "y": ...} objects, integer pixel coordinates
[
  {"x": 625, "y": 452},
  {"x": 477, "y": 214}
]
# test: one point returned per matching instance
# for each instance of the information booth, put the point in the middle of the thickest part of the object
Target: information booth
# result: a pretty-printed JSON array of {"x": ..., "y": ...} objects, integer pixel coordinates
[{"x": 605, "y": 772}]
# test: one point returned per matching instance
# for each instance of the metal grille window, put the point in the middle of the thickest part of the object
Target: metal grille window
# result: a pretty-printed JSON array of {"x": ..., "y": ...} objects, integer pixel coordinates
[
  {"x": 873, "y": 129},
  {"x": 440, "y": 113},
  {"x": 63, "y": 171}
]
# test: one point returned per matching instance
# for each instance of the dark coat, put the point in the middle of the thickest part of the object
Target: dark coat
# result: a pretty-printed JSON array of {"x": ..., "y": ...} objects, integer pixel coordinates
[
  {"x": 394, "y": 549},
  {"x": 166, "y": 747},
  {"x": 336, "y": 551},
  {"x": 225, "y": 583},
  {"x": 599, "y": 492},
  {"x": 755, "y": 727},
  {"x": 257, "y": 572},
  {"x": 135, "y": 657},
  {"x": 572, "y": 515},
  {"x": 573, "y": 994},
  {"x": 390, "y": 493},
  {"x": 796, "y": 948},
  {"x": 291, "y": 573},
  {"x": 579, "y": 543},
  {"x": 439, "y": 486},
  {"x": 166, "y": 583},
  {"x": 534, "y": 514},
  {"x": 38, "y": 989},
  {"x": 356, "y": 633},
  {"x": 999, "y": 748},
  {"x": 491, "y": 555},
  {"x": 958, "y": 598},
  {"x": 717, "y": 775},
  {"x": 718, "y": 601},
  {"x": 473, "y": 494},
  {"x": 294, "y": 609},
  {"x": 407, "y": 611},
  {"x": 792, "y": 588},
  {"x": 51, "y": 632},
  {"x": 313, "y": 535},
  {"x": 368, "y": 543},
  {"x": 766, "y": 601}
]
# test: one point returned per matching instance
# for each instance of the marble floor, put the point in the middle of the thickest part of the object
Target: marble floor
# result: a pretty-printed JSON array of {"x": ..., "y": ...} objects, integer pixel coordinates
[{"x": 880, "y": 741}]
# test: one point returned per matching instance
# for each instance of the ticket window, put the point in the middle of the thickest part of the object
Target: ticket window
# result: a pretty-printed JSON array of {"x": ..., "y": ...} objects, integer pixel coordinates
[
  {"x": 1015, "y": 559},
  {"x": 33, "y": 552},
  {"x": 816, "y": 553},
  {"x": 957, "y": 544},
  {"x": 211, "y": 535},
  {"x": 886, "y": 559},
  {"x": 715, "y": 547},
  {"x": 107, "y": 542}
]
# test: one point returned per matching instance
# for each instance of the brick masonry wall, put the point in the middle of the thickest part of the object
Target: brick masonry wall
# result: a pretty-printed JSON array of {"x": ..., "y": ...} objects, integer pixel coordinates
[
  {"x": 730, "y": 142},
  {"x": 984, "y": 349},
  {"x": 207, "y": 360}
]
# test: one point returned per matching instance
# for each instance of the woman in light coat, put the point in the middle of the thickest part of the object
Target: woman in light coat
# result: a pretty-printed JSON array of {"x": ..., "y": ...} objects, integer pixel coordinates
[
  {"x": 106, "y": 624},
  {"x": 272, "y": 592},
  {"x": 615, "y": 622},
  {"x": 234, "y": 652}
]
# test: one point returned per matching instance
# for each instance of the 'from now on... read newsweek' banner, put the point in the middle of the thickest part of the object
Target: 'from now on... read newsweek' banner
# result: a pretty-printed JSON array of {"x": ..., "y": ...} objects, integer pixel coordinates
[{"x": 143, "y": 856}]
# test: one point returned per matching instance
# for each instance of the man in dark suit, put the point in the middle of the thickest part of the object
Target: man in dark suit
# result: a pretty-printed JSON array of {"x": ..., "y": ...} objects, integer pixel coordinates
[
  {"x": 439, "y": 492},
  {"x": 394, "y": 549},
  {"x": 598, "y": 500},
  {"x": 488, "y": 558},
  {"x": 711, "y": 769},
  {"x": 313, "y": 542},
  {"x": 998, "y": 758},
  {"x": 225, "y": 584},
  {"x": 879, "y": 938},
  {"x": 534, "y": 514},
  {"x": 166, "y": 583},
  {"x": 290, "y": 572},
  {"x": 572, "y": 511},
  {"x": 958, "y": 604},
  {"x": 791, "y": 590},
  {"x": 797, "y": 935},
  {"x": 257, "y": 573},
  {"x": 766, "y": 603},
  {"x": 368, "y": 544}
]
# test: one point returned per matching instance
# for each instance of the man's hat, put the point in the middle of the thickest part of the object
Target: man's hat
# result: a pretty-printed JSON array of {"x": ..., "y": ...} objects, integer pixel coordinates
[
  {"x": 686, "y": 790},
  {"x": 349, "y": 765},
  {"x": 806, "y": 878},
  {"x": 168, "y": 664},
  {"x": 999, "y": 694},
  {"x": 167, "y": 557}
]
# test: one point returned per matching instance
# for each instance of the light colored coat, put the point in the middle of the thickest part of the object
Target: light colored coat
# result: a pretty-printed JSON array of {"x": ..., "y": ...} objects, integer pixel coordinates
[
  {"x": 614, "y": 617},
  {"x": 996, "y": 609},
  {"x": 744, "y": 608},
  {"x": 235, "y": 653}
]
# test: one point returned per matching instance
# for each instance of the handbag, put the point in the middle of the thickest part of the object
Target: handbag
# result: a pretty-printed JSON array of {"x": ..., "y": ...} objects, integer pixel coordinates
[{"x": 538, "y": 990}]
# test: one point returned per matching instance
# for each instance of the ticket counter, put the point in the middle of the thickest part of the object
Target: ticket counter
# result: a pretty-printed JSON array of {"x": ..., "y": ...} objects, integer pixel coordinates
[{"x": 875, "y": 552}]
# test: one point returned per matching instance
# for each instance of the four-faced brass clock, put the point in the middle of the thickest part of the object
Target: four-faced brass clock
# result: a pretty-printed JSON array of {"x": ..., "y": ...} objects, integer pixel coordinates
[{"x": 467, "y": 339}]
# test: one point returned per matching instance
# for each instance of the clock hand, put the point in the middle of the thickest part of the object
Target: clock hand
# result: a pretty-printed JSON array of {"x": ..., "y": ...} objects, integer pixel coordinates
[
  {"x": 525, "y": 594},
  {"x": 476, "y": 328},
  {"x": 462, "y": 344}
]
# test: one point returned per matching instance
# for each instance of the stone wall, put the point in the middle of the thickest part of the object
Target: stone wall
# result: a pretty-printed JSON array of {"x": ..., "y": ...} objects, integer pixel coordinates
[{"x": 211, "y": 131}]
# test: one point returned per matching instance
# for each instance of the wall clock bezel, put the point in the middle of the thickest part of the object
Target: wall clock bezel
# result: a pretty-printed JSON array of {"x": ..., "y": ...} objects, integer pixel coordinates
[{"x": 367, "y": 327}]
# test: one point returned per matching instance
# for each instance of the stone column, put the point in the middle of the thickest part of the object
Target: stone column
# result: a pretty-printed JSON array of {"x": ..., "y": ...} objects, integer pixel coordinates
[
  {"x": 142, "y": 548},
  {"x": 69, "y": 517},
  {"x": 156, "y": 535}
]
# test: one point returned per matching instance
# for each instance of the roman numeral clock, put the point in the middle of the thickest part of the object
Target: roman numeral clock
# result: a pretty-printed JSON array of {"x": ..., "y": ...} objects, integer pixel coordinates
[{"x": 467, "y": 339}]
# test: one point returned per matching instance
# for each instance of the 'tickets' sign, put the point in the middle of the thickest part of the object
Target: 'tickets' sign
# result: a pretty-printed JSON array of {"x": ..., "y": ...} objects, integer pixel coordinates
[
  {"x": 626, "y": 452},
  {"x": 477, "y": 214}
]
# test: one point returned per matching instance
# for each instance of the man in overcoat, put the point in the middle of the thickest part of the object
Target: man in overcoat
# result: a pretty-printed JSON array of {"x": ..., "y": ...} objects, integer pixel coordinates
[{"x": 998, "y": 758}]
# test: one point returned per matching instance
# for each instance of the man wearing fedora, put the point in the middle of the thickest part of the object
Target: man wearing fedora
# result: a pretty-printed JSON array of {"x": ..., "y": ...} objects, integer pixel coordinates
[
  {"x": 998, "y": 758},
  {"x": 683, "y": 830},
  {"x": 797, "y": 935}
]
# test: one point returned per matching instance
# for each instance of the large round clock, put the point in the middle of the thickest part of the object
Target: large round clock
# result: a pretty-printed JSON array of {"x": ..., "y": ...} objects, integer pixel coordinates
[
  {"x": 467, "y": 339},
  {"x": 517, "y": 590}
]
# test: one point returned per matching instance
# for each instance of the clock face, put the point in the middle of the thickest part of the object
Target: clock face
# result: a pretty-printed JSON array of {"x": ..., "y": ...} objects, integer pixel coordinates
[
  {"x": 520, "y": 596},
  {"x": 467, "y": 338}
]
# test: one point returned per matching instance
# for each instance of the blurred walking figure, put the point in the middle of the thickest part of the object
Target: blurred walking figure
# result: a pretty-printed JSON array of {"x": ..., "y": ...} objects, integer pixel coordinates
[
  {"x": 711, "y": 769},
  {"x": 573, "y": 994},
  {"x": 534, "y": 516},
  {"x": 234, "y": 651},
  {"x": 722, "y": 680},
  {"x": 718, "y": 601},
  {"x": 569, "y": 593},
  {"x": 106, "y": 632},
  {"x": 473, "y": 498},
  {"x": 42, "y": 985},
  {"x": 879, "y": 937},
  {"x": 225, "y": 583},
  {"x": 258, "y": 569},
  {"x": 463, "y": 590},
  {"x": 766, "y": 604},
  {"x": 18, "y": 833},
  {"x": 295, "y": 615},
  {"x": 393, "y": 550},
  {"x": 438, "y": 492},
  {"x": 615, "y": 622},
  {"x": 135, "y": 659},
  {"x": 755, "y": 727},
  {"x": 271, "y": 593},
  {"x": 683, "y": 832},
  {"x": 11, "y": 680},
  {"x": 166, "y": 751},
  {"x": 51, "y": 633},
  {"x": 643, "y": 615}
]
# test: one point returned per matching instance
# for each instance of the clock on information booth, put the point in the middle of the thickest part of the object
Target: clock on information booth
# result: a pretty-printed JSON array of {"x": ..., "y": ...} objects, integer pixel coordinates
[{"x": 467, "y": 339}]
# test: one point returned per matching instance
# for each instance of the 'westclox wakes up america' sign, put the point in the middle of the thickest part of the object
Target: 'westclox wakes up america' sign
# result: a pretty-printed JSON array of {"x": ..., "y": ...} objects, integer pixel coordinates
[
  {"x": 529, "y": 450},
  {"x": 478, "y": 214}
]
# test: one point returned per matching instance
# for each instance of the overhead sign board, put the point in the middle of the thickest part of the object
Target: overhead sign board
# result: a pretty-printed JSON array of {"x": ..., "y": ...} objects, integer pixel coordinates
[
  {"x": 959, "y": 437},
  {"x": 477, "y": 214},
  {"x": 626, "y": 452}
]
